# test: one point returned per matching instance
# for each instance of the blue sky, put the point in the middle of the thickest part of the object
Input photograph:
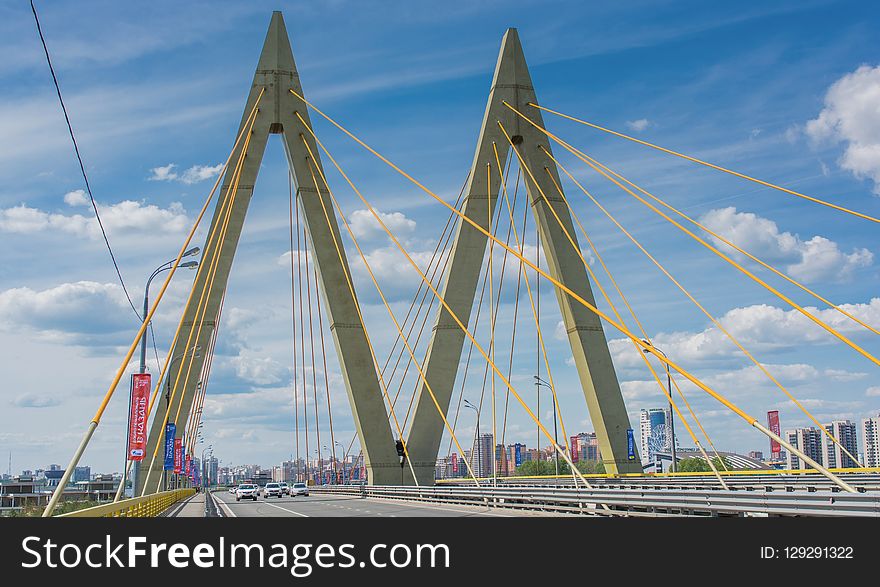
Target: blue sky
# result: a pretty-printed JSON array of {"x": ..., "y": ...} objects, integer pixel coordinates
[{"x": 786, "y": 92}]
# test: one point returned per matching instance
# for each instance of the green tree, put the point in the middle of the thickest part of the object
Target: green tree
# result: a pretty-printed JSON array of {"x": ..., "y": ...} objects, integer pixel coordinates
[
  {"x": 698, "y": 465},
  {"x": 591, "y": 467},
  {"x": 540, "y": 468}
]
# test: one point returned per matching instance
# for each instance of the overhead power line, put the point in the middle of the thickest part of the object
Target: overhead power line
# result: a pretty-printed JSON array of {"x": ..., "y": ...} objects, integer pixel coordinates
[{"x": 79, "y": 157}]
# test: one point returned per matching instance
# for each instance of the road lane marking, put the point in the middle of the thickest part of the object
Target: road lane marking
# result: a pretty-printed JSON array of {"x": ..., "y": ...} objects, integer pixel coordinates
[
  {"x": 226, "y": 509},
  {"x": 286, "y": 510}
]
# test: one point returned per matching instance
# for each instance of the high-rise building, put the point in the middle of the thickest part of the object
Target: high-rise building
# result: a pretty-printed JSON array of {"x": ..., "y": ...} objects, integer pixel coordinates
[
  {"x": 483, "y": 454},
  {"x": 654, "y": 427},
  {"x": 845, "y": 433},
  {"x": 82, "y": 474},
  {"x": 210, "y": 471},
  {"x": 585, "y": 447},
  {"x": 871, "y": 441},
  {"x": 808, "y": 441}
]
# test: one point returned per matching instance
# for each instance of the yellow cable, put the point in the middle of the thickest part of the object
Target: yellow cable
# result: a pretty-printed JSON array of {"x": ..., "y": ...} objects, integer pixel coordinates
[
  {"x": 724, "y": 401},
  {"x": 351, "y": 289},
  {"x": 640, "y": 325},
  {"x": 338, "y": 248},
  {"x": 684, "y": 290},
  {"x": 443, "y": 301},
  {"x": 707, "y": 164},
  {"x": 540, "y": 334},
  {"x": 375, "y": 283},
  {"x": 492, "y": 314},
  {"x": 202, "y": 308},
  {"x": 97, "y": 418},
  {"x": 230, "y": 196},
  {"x": 604, "y": 170},
  {"x": 599, "y": 168},
  {"x": 601, "y": 289},
  {"x": 293, "y": 290}
]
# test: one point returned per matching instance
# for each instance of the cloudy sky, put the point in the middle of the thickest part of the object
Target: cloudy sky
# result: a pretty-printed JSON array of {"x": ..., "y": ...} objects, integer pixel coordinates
[{"x": 787, "y": 92}]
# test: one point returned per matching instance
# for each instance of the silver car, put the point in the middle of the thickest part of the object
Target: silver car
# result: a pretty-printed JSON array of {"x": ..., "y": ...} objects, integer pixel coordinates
[
  {"x": 272, "y": 490},
  {"x": 246, "y": 491},
  {"x": 299, "y": 489}
]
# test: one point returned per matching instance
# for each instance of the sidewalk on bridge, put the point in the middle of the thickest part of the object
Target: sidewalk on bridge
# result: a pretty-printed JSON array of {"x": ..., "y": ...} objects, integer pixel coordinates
[{"x": 192, "y": 507}]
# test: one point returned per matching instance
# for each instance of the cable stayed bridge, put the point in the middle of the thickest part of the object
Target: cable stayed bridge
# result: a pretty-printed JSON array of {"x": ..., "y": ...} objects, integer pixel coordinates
[{"x": 482, "y": 248}]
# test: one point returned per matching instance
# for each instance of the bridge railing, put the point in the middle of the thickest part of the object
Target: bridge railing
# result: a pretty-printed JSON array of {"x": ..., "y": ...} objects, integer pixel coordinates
[
  {"x": 148, "y": 506},
  {"x": 653, "y": 501}
]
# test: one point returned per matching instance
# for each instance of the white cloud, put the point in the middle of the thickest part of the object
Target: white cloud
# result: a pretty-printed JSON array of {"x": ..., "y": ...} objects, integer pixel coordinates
[
  {"x": 364, "y": 225},
  {"x": 873, "y": 391},
  {"x": 127, "y": 216},
  {"x": 851, "y": 116},
  {"x": 198, "y": 173},
  {"x": 390, "y": 267},
  {"x": 165, "y": 173},
  {"x": 76, "y": 198},
  {"x": 194, "y": 174},
  {"x": 758, "y": 327},
  {"x": 69, "y": 313},
  {"x": 638, "y": 125},
  {"x": 812, "y": 260},
  {"x": 258, "y": 369},
  {"x": 32, "y": 400}
]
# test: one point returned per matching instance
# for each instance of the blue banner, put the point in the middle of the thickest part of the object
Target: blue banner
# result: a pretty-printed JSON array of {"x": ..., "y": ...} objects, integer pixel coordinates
[
  {"x": 630, "y": 445},
  {"x": 517, "y": 454},
  {"x": 170, "y": 431}
]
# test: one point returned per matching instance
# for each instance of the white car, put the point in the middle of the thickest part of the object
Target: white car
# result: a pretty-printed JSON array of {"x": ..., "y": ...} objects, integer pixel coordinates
[
  {"x": 272, "y": 489},
  {"x": 285, "y": 488},
  {"x": 246, "y": 491},
  {"x": 299, "y": 489}
]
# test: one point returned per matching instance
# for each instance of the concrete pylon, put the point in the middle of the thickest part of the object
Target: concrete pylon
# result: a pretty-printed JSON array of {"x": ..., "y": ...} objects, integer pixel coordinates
[
  {"x": 512, "y": 83},
  {"x": 275, "y": 75}
]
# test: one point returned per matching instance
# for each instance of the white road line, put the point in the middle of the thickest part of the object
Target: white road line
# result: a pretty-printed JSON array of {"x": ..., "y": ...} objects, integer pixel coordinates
[
  {"x": 286, "y": 510},
  {"x": 226, "y": 509}
]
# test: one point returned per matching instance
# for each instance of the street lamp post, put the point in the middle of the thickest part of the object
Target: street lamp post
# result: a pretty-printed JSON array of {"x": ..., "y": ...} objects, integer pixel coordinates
[
  {"x": 538, "y": 383},
  {"x": 478, "y": 448},
  {"x": 339, "y": 444},
  {"x": 669, "y": 388},
  {"x": 205, "y": 478},
  {"x": 142, "y": 368}
]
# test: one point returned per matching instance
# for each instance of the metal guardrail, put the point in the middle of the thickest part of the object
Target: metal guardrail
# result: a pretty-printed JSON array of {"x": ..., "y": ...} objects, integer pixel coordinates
[
  {"x": 779, "y": 482},
  {"x": 148, "y": 506},
  {"x": 635, "y": 501}
]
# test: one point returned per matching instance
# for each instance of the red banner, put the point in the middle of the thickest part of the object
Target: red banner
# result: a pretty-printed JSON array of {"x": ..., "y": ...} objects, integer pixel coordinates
[
  {"x": 137, "y": 418},
  {"x": 455, "y": 462},
  {"x": 773, "y": 424},
  {"x": 575, "y": 452},
  {"x": 188, "y": 466},
  {"x": 178, "y": 455}
]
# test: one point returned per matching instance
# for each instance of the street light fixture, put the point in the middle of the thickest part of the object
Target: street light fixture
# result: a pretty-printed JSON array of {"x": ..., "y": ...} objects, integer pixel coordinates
[
  {"x": 143, "y": 362},
  {"x": 205, "y": 478},
  {"x": 339, "y": 444},
  {"x": 538, "y": 383},
  {"x": 669, "y": 386},
  {"x": 477, "y": 446}
]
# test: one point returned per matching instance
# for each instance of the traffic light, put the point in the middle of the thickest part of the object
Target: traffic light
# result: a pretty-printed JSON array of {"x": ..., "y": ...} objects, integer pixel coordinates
[{"x": 400, "y": 451}]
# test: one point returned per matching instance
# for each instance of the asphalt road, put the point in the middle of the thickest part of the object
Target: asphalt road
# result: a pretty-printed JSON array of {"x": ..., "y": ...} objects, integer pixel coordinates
[{"x": 347, "y": 506}]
